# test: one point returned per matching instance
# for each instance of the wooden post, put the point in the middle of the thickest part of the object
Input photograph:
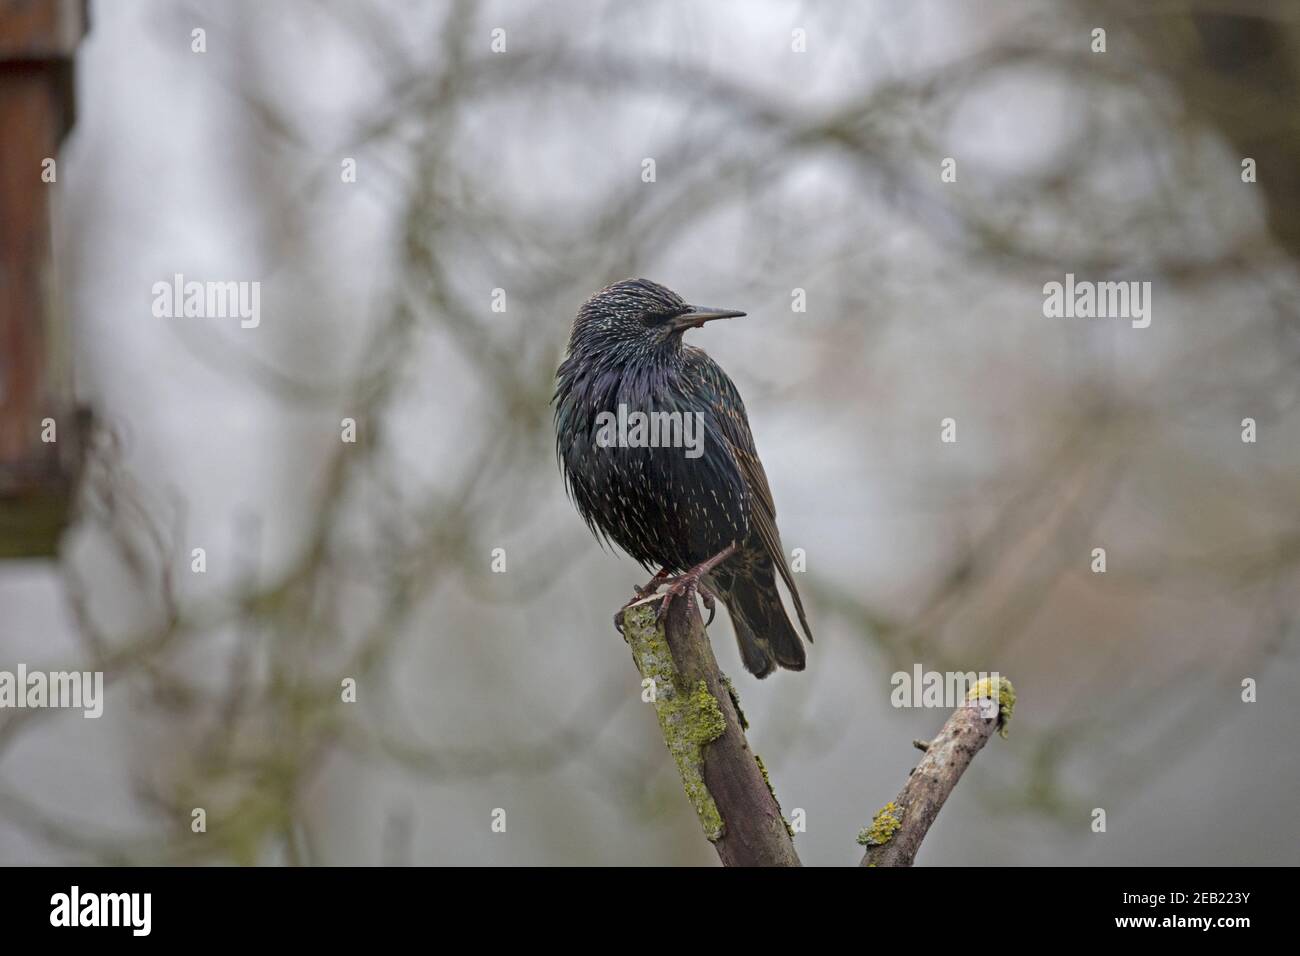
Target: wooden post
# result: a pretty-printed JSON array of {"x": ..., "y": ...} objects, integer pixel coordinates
[{"x": 37, "y": 477}]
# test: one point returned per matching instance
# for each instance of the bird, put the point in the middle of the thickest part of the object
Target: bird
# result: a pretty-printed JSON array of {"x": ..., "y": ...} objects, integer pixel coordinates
[{"x": 703, "y": 515}]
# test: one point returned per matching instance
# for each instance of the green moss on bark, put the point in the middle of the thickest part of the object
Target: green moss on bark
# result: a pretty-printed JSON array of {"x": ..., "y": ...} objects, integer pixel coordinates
[
  {"x": 689, "y": 717},
  {"x": 762, "y": 768}
]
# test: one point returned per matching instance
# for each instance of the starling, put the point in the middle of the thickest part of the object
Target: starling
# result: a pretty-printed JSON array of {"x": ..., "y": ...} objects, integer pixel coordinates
[{"x": 702, "y": 513}]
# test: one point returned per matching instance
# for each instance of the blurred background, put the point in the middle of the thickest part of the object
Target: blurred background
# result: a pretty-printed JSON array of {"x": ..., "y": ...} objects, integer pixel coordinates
[{"x": 776, "y": 169}]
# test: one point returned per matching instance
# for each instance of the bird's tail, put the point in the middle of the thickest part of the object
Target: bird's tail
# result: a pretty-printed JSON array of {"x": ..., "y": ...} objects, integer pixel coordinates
[{"x": 767, "y": 638}]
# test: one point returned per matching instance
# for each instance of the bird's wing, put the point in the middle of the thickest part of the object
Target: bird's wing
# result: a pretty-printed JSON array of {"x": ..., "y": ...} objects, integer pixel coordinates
[{"x": 729, "y": 413}]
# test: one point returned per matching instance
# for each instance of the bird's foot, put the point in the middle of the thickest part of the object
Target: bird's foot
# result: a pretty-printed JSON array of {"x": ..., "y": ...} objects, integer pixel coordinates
[
  {"x": 643, "y": 592},
  {"x": 691, "y": 583},
  {"x": 688, "y": 585},
  {"x": 681, "y": 584},
  {"x": 652, "y": 585}
]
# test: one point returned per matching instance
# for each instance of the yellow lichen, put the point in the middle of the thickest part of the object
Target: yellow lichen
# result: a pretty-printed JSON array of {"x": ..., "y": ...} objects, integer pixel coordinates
[
  {"x": 998, "y": 688},
  {"x": 704, "y": 719},
  {"x": 883, "y": 826}
]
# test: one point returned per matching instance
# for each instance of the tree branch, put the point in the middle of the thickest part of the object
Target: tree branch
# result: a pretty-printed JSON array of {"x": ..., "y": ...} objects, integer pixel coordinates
[
  {"x": 896, "y": 832},
  {"x": 704, "y": 730}
]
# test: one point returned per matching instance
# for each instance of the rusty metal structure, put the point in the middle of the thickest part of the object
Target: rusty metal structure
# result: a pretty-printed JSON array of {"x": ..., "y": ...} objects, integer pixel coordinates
[{"x": 41, "y": 428}]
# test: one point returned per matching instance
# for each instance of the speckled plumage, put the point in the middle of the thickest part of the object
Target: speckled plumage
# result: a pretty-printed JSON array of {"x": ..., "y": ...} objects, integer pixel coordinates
[{"x": 662, "y": 507}]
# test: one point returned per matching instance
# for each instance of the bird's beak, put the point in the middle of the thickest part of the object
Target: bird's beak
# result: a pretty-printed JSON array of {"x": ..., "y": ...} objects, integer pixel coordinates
[{"x": 699, "y": 314}]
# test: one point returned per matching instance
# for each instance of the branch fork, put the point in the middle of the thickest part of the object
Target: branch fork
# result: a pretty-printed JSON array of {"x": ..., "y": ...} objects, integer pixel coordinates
[{"x": 704, "y": 729}]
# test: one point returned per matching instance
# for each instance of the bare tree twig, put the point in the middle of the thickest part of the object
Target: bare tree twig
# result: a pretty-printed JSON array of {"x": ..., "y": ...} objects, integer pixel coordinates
[
  {"x": 704, "y": 730},
  {"x": 896, "y": 832}
]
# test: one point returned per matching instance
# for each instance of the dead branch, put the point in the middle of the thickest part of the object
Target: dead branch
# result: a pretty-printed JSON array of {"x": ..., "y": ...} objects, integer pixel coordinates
[{"x": 896, "y": 832}]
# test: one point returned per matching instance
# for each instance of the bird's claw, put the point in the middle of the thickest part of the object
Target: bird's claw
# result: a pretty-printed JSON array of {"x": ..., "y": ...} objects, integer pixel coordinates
[
  {"x": 651, "y": 586},
  {"x": 641, "y": 593},
  {"x": 683, "y": 585},
  {"x": 647, "y": 597},
  {"x": 688, "y": 585}
]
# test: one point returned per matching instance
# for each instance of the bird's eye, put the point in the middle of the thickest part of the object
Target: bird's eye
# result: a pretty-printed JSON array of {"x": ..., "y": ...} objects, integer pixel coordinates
[{"x": 652, "y": 319}]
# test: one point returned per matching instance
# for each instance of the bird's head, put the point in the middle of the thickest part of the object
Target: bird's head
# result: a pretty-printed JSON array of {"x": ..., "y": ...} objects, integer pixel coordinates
[{"x": 637, "y": 315}]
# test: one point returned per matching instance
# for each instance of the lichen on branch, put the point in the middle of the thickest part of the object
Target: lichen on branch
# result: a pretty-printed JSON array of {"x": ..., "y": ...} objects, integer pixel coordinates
[
  {"x": 689, "y": 717},
  {"x": 883, "y": 826},
  {"x": 998, "y": 688}
]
